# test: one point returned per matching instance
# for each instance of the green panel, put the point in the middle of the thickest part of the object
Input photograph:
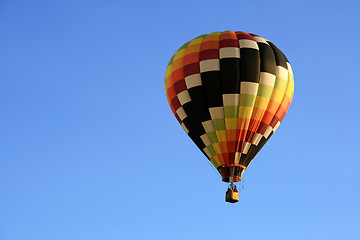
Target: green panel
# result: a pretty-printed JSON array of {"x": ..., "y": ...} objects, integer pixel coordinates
[
  {"x": 219, "y": 124},
  {"x": 247, "y": 100},
  {"x": 171, "y": 60},
  {"x": 280, "y": 84},
  {"x": 212, "y": 137},
  {"x": 265, "y": 91},
  {"x": 184, "y": 46},
  {"x": 202, "y": 36},
  {"x": 211, "y": 150},
  {"x": 231, "y": 111}
]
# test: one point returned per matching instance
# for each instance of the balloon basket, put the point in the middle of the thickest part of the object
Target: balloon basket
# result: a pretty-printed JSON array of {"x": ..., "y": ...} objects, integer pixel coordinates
[{"x": 232, "y": 195}]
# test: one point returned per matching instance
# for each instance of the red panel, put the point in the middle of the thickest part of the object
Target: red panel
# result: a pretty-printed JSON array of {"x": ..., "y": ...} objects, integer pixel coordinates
[
  {"x": 274, "y": 121},
  {"x": 229, "y": 43},
  {"x": 231, "y": 146},
  {"x": 262, "y": 128},
  {"x": 231, "y": 157},
  {"x": 180, "y": 86},
  {"x": 253, "y": 125},
  {"x": 240, "y": 145},
  {"x": 249, "y": 136},
  {"x": 176, "y": 103},
  {"x": 226, "y": 157},
  {"x": 191, "y": 69},
  {"x": 209, "y": 54},
  {"x": 177, "y": 118},
  {"x": 243, "y": 35}
]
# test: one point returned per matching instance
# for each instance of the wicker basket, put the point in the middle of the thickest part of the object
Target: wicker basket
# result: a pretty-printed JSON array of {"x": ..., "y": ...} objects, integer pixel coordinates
[{"x": 231, "y": 196}]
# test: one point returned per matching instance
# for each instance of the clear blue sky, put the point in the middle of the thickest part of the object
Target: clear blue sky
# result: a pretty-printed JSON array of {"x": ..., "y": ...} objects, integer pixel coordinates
[{"x": 89, "y": 148}]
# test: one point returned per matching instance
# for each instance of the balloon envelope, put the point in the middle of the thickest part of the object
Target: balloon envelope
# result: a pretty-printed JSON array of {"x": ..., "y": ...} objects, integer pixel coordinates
[{"x": 229, "y": 91}]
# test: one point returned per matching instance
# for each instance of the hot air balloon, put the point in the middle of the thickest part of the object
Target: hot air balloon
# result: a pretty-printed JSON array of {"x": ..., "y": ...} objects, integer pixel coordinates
[{"x": 229, "y": 91}]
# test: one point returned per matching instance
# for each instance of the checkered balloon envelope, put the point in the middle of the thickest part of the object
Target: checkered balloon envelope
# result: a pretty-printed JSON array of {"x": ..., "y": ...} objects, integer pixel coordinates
[{"x": 229, "y": 91}]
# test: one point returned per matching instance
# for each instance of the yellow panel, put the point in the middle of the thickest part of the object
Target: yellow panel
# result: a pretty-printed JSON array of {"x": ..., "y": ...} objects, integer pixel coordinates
[
  {"x": 245, "y": 112},
  {"x": 179, "y": 54},
  {"x": 277, "y": 95},
  {"x": 217, "y": 160},
  {"x": 214, "y": 162},
  {"x": 196, "y": 41},
  {"x": 221, "y": 135},
  {"x": 261, "y": 102},
  {"x": 290, "y": 87},
  {"x": 168, "y": 71},
  {"x": 231, "y": 123},
  {"x": 216, "y": 147}
]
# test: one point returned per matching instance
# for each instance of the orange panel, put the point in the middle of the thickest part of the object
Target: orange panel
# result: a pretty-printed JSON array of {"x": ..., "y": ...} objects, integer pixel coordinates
[
  {"x": 209, "y": 45},
  {"x": 191, "y": 58}
]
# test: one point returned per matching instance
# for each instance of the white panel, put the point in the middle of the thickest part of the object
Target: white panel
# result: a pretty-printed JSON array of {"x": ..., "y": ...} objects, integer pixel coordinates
[
  {"x": 246, "y": 147},
  {"x": 217, "y": 112},
  {"x": 249, "y": 88},
  {"x": 193, "y": 80},
  {"x": 210, "y": 65},
  {"x": 289, "y": 68},
  {"x": 237, "y": 158},
  {"x": 230, "y": 52},
  {"x": 268, "y": 131},
  {"x": 231, "y": 99},
  {"x": 184, "y": 127},
  {"x": 260, "y": 39},
  {"x": 205, "y": 139},
  {"x": 256, "y": 139},
  {"x": 184, "y": 97},
  {"x": 207, "y": 152},
  {"x": 181, "y": 113},
  {"x": 267, "y": 79},
  {"x": 247, "y": 43},
  {"x": 208, "y": 126},
  {"x": 277, "y": 125},
  {"x": 281, "y": 72}
]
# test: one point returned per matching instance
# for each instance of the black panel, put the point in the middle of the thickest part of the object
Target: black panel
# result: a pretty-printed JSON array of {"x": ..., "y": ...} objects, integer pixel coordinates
[
  {"x": 196, "y": 126},
  {"x": 230, "y": 75},
  {"x": 249, "y": 65},
  {"x": 199, "y": 101},
  {"x": 212, "y": 87},
  {"x": 267, "y": 59},
  {"x": 279, "y": 56}
]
